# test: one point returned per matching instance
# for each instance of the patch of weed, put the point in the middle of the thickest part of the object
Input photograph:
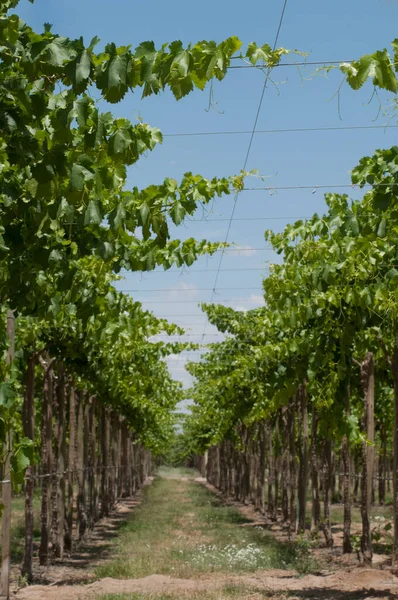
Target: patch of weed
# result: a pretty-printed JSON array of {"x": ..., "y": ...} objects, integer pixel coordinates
[{"x": 181, "y": 528}]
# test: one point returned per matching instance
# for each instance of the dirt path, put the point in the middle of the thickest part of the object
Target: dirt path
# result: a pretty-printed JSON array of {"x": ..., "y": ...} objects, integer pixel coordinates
[
  {"x": 181, "y": 541},
  {"x": 357, "y": 584}
]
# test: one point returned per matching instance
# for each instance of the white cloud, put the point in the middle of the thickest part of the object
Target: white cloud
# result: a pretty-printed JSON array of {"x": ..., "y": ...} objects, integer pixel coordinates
[
  {"x": 175, "y": 359},
  {"x": 245, "y": 304},
  {"x": 242, "y": 250},
  {"x": 183, "y": 291},
  {"x": 257, "y": 299},
  {"x": 180, "y": 374},
  {"x": 184, "y": 406},
  {"x": 240, "y": 308}
]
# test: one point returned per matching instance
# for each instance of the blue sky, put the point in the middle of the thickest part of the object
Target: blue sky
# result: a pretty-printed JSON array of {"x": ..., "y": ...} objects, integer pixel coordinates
[{"x": 330, "y": 31}]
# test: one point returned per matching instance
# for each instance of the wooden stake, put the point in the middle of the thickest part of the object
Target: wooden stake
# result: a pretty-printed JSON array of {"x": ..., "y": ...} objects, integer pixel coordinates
[
  {"x": 58, "y": 549},
  {"x": 28, "y": 420},
  {"x": 6, "y": 485}
]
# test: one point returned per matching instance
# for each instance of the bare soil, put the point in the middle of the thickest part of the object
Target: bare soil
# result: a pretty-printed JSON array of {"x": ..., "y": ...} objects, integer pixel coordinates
[
  {"x": 341, "y": 579},
  {"x": 325, "y": 556},
  {"x": 348, "y": 585},
  {"x": 78, "y": 567}
]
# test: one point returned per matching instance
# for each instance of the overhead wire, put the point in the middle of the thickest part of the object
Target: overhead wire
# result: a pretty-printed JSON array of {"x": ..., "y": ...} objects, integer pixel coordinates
[
  {"x": 186, "y": 272},
  {"x": 178, "y": 289},
  {"x": 252, "y": 133},
  {"x": 167, "y": 316},
  {"x": 303, "y": 63},
  {"x": 285, "y": 218},
  {"x": 190, "y": 335},
  {"x": 272, "y": 131},
  {"x": 243, "y": 249},
  {"x": 189, "y": 271},
  {"x": 250, "y": 144},
  {"x": 243, "y": 301},
  {"x": 318, "y": 187}
]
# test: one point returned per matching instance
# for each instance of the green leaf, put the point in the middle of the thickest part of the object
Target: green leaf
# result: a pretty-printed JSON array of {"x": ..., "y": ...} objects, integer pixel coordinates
[
  {"x": 3, "y": 247},
  {"x": 119, "y": 142},
  {"x": 177, "y": 213},
  {"x": 21, "y": 458},
  {"x": 58, "y": 51},
  {"x": 381, "y": 231},
  {"x": 189, "y": 258},
  {"x": 93, "y": 213},
  {"x": 145, "y": 50},
  {"x": 96, "y": 40},
  {"x": 231, "y": 45},
  {"x": 181, "y": 87},
  {"x": 107, "y": 250},
  {"x": 112, "y": 76},
  {"x": 82, "y": 110},
  {"x": 82, "y": 70},
  {"x": 7, "y": 395},
  {"x": 103, "y": 122},
  {"x": 12, "y": 28},
  {"x": 43, "y": 173},
  {"x": 357, "y": 72},
  {"x": 19, "y": 462},
  {"x": 394, "y": 44},
  {"x": 353, "y": 224},
  {"x": 79, "y": 176},
  {"x": 144, "y": 212},
  {"x": 310, "y": 375},
  {"x": 384, "y": 76},
  {"x": 377, "y": 66},
  {"x": 181, "y": 64},
  {"x": 255, "y": 53},
  {"x": 392, "y": 274},
  {"x": 55, "y": 256},
  {"x": 120, "y": 216}
]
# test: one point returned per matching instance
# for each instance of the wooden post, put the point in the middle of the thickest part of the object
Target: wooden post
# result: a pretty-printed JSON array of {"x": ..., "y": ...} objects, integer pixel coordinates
[
  {"x": 303, "y": 453},
  {"x": 395, "y": 455},
  {"x": 97, "y": 458},
  {"x": 6, "y": 484},
  {"x": 368, "y": 385},
  {"x": 371, "y": 436},
  {"x": 292, "y": 466},
  {"x": 46, "y": 456},
  {"x": 285, "y": 465},
  {"x": 92, "y": 462},
  {"x": 58, "y": 548},
  {"x": 71, "y": 466},
  {"x": 81, "y": 469},
  {"x": 105, "y": 436},
  {"x": 54, "y": 486},
  {"x": 28, "y": 420},
  {"x": 316, "y": 506},
  {"x": 345, "y": 451}
]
